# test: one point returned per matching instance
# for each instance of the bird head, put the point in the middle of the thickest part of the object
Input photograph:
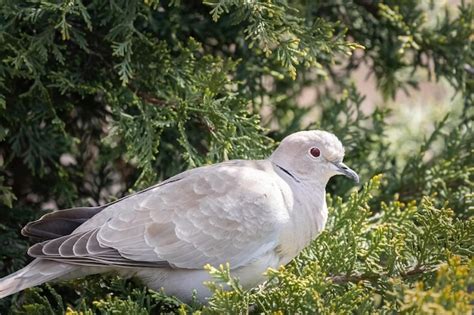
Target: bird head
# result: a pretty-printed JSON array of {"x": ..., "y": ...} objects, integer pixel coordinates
[{"x": 312, "y": 155}]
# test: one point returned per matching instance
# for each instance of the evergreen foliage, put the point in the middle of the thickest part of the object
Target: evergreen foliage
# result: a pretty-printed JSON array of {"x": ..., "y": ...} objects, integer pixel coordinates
[{"x": 102, "y": 98}]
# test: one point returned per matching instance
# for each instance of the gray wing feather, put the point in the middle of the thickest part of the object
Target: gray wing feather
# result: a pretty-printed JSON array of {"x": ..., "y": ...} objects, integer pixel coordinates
[{"x": 84, "y": 249}]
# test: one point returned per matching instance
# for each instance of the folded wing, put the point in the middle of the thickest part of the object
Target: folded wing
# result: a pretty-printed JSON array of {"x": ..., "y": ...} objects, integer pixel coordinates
[{"x": 229, "y": 212}]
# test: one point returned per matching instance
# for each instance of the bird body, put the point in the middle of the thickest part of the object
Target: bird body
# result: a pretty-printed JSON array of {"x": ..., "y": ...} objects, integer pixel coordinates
[{"x": 250, "y": 214}]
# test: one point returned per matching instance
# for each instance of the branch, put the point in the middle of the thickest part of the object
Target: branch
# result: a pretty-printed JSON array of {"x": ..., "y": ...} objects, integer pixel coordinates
[
  {"x": 469, "y": 69},
  {"x": 147, "y": 97},
  {"x": 342, "y": 279},
  {"x": 151, "y": 99}
]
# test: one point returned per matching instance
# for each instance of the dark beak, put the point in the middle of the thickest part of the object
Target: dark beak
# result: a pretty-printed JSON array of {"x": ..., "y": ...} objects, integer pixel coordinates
[{"x": 345, "y": 170}]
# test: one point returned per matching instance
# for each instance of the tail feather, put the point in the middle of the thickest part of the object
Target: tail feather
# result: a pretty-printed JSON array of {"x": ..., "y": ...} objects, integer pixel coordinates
[{"x": 37, "y": 272}]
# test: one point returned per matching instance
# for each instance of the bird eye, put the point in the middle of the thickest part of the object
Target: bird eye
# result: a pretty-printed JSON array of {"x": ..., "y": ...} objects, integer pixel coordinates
[{"x": 315, "y": 152}]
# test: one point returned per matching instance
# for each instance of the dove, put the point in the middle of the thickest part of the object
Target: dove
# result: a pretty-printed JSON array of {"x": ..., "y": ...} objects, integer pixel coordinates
[{"x": 251, "y": 214}]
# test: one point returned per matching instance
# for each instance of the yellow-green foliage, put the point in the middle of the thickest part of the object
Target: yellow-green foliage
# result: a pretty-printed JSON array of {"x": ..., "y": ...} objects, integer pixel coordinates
[{"x": 450, "y": 294}]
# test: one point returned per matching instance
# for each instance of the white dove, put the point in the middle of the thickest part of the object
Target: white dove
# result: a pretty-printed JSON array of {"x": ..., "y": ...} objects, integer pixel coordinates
[{"x": 250, "y": 214}]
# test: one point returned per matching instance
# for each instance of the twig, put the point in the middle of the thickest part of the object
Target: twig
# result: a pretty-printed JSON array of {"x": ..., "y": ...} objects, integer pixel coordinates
[
  {"x": 150, "y": 99},
  {"x": 469, "y": 69},
  {"x": 342, "y": 279}
]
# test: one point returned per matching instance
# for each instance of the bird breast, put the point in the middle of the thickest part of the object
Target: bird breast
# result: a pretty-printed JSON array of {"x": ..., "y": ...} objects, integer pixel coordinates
[{"x": 308, "y": 216}]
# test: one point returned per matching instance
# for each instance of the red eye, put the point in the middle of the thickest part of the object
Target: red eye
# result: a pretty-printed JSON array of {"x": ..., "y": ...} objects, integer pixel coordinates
[{"x": 315, "y": 152}]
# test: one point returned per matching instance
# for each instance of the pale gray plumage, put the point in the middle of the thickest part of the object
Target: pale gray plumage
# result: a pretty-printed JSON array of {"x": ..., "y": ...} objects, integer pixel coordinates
[{"x": 251, "y": 214}]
